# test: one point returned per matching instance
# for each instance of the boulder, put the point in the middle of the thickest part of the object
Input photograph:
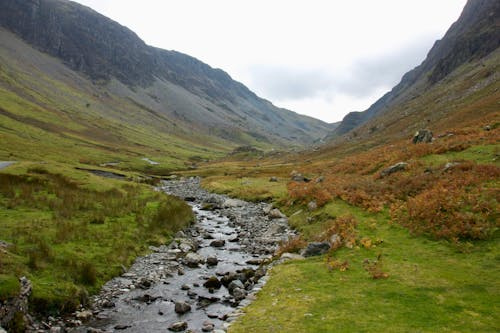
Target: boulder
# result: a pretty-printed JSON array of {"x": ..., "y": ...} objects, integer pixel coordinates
[
  {"x": 335, "y": 241},
  {"x": 239, "y": 294},
  {"x": 422, "y": 136},
  {"x": 193, "y": 259},
  {"x": 182, "y": 307},
  {"x": 232, "y": 203},
  {"x": 207, "y": 327},
  {"x": 212, "y": 261},
  {"x": 276, "y": 214},
  {"x": 212, "y": 282},
  {"x": 178, "y": 327},
  {"x": 235, "y": 284},
  {"x": 316, "y": 249},
  {"x": 273, "y": 179},
  {"x": 394, "y": 168},
  {"x": 218, "y": 243}
]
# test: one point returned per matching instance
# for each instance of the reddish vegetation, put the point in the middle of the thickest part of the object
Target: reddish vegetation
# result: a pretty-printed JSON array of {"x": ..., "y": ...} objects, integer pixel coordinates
[{"x": 458, "y": 201}]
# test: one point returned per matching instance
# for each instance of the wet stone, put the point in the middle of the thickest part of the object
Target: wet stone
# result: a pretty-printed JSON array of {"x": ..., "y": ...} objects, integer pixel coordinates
[
  {"x": 178, "y": 327},
  {"x": 182, "y": 307}
]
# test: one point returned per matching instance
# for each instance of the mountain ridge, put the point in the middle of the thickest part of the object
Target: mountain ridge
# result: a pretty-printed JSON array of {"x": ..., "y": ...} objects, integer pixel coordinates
[
  {"x": 473, "y": 36},
  {"x": 102, "y": 49}
]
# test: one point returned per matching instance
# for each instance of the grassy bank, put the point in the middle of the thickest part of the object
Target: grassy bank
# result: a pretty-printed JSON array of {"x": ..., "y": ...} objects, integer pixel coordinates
[
  {"x": 70, "y": 231},
  {"x": 420, "y": 248}
]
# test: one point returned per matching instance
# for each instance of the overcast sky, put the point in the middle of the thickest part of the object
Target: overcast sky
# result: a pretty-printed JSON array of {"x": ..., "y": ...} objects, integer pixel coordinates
[{"x": 323, "y": 58}]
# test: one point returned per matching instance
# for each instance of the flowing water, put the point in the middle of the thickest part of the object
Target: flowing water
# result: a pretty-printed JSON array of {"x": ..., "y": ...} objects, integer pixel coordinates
[{"x": 143, "y": 299}]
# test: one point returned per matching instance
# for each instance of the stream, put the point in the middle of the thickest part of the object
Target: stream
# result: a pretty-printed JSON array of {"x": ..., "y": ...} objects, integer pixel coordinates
[{"x": 201, "y": 280}]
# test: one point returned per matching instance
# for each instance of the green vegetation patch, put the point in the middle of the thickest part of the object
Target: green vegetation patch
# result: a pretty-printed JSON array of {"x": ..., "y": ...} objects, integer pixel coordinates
[
  {"x": 389, "y": 281},
  {"x": 70, "y": 234}
]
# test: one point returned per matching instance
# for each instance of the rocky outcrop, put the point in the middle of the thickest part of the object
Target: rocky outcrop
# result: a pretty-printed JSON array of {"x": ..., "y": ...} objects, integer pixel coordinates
[{"x": 14, "y": 311}]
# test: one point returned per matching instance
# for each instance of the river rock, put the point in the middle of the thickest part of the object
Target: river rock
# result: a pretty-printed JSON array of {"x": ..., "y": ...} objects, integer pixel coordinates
[
  {"x": 185, "y": 287},
  {"x": 276, "y": 214},
  {"x": 212, "y": 261},
  {"x": 207, "y": 326},
  {"x": 235, "y": 284},
  {"x": 232, "y": 203},
  {"x": 218, "y": 243},
  {"x": 182, "y": 307},
  {"x": 227, "y": 278},
  {"x": 83, "y": 315},
  {"x": 316, "y": 249},
  {"x": 193, "y": 259},
  {"x": 394, "y": 168},
  {"x": 178, "y": 327},
  {"x": 239, "y": 294},
  {"x": 212, "y": 282}
]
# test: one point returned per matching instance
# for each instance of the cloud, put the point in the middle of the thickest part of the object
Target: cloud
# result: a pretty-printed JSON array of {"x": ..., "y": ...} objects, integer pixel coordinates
[{"x": 361, "y": 78}]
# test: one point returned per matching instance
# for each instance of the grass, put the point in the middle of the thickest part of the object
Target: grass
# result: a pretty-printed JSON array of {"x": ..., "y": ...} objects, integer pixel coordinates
[
  {"x": 71, "y": 231},
  {"x": 432, "y": 286}
]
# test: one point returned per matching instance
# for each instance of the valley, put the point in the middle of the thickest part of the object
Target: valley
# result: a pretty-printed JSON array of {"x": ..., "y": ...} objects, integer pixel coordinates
[{"x": 131, "y": 176}]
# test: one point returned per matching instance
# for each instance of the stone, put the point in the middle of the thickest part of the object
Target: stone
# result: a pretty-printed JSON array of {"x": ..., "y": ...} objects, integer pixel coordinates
[
  {"x": 207, "y": 326},
  {"x": 232, "y": 203},
  {"x": 239, "y": 294},
  {"x": 273, "y": 179},
  {"x": 182, "y": 307},
  {"x": 227, "y": 278},
  {"x": 422, "y": 136},
  {"x": 450, "y": 165},
  {"x": 83, "y": 315},
  {"x": 276, "y": 214},
  {"x": 56, "y": 329},
  {"x": 394, "y": 168},
  {"x": 178, "y": 327},
  {"x": 312, "y": 205},
  {"x": 193, "y": 259},
  {"x": 121, "y": 327},
  {"x": 335, "y": 241},
  {"x": 291, "y": 256},
  {"x": 212, "y": 282},
  {"x": 218, "y": 243},
  {"x": 316, "y": 249},
  {"x": 320, "y": 179},
  {"x": 185, "y": 287},
  {"x": 235, "y": 284},
  {"x": 212, "y": 261}
]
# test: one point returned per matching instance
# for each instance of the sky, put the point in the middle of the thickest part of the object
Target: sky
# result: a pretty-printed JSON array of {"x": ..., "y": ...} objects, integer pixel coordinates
[{"x": 322, "y": 58}]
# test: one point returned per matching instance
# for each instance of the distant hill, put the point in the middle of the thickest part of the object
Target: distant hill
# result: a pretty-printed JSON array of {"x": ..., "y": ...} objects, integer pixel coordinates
[
  {"x": 468, "y": 53},
  {"x": 114, "y": 75}
]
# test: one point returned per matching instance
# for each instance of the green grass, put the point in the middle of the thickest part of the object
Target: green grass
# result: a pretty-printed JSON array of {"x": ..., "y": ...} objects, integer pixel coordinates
[
  {"x": 247, "y": 188},
  {"x": 432, "y": 286},
  {"x": 71, "y": 231}
]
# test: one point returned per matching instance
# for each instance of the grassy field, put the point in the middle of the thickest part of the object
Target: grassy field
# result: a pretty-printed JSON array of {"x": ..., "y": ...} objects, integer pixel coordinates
[
  {"x": 70, "y": 231},
  {"x": 391, "y": 275}
]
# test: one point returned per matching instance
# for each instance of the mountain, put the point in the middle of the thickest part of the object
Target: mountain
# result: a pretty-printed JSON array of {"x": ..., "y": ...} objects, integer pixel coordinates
[
  {"x": 69, "y": 62},
  {"x": 469, "y": 50}
]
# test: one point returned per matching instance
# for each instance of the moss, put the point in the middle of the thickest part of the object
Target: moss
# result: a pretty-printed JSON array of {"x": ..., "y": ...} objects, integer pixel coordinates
[{"x": 9, "y": 286}]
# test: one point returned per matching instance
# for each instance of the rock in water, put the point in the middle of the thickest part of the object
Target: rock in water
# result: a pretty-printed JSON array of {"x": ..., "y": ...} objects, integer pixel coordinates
[
  {"x": 316, "y": 249},
  {"x": 178, "y": 327},
  {"x": 218, "y": 243},
  {"x": 193, "y": 260},
  {"x": 212, "y": 282},
  {"x": 182, "y": 307},
  {"x": 239, "y": 294},
  {"x": 212, "y": 261}
]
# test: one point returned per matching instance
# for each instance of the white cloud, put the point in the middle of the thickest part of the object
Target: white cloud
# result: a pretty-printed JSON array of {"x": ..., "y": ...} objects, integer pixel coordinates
[{"x": 322, "y": 51}]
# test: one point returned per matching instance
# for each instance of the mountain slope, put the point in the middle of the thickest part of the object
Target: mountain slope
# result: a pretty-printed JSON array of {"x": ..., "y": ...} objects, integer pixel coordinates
[
  {"x": 128, "y": 82},
  {"x": 474, "y": 36}
]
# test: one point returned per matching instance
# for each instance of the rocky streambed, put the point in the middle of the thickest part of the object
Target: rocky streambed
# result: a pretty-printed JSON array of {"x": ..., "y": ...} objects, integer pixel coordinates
[{"x": 200, "y": 281}]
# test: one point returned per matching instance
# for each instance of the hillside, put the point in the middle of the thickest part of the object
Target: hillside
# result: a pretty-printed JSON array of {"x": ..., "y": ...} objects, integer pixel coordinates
[
  {"x": 468, "y": 53},
  {"x": 70, "y": 73}
]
